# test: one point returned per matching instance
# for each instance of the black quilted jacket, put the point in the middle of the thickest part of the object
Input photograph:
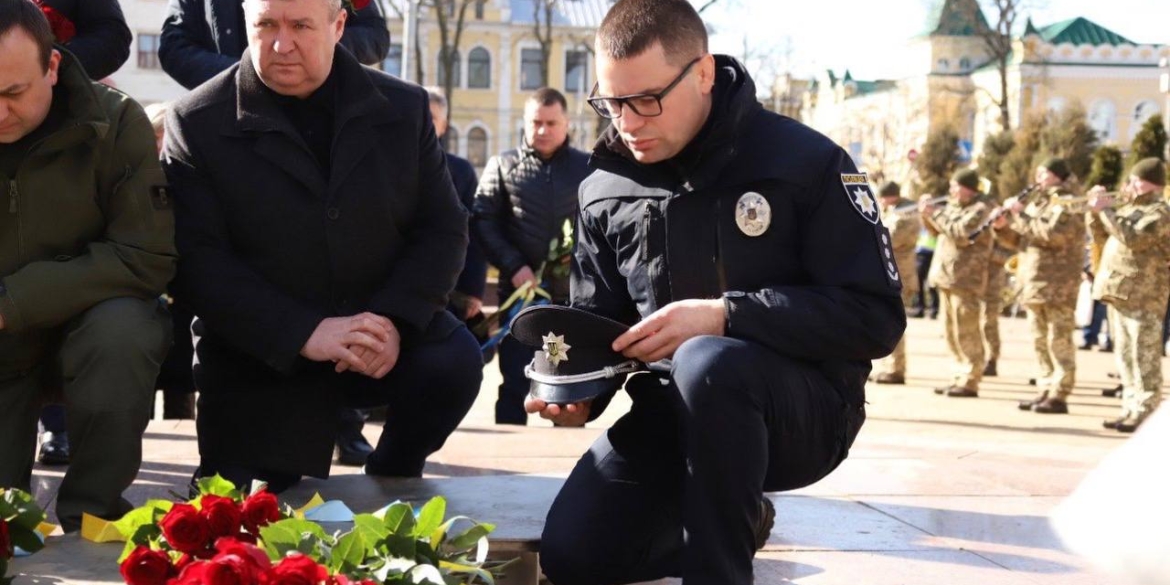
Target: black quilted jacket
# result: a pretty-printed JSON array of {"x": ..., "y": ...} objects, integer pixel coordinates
[{"x": 522, "y": 203}]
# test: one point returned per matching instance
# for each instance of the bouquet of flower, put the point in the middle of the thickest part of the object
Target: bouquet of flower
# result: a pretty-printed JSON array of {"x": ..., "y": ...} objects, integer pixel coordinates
[
  {"x": 63, "y": 28},
  {"x": 19, "y": 519},
  {"x": 225, "y": 538},
  {"x": 355, "y": 5}
]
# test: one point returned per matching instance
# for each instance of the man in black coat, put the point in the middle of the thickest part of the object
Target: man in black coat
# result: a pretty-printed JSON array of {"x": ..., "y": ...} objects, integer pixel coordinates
[
  {"x": 320, "y": 236},
  {"x": 525, "y": 196},
  {"x": 201, "y": 38},
  {"x": 746, "y": 252},
  {"x": 102, "y": 39}
]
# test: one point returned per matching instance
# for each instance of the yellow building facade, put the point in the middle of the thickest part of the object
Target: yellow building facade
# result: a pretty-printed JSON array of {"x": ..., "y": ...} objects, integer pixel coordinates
[
  {"x": 945, "y": 77},
  {"x": 498, "y": 68}
]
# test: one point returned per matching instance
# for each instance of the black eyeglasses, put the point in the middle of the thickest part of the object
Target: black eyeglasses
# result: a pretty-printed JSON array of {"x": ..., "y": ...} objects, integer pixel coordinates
[{"x": 643, "y": 104}]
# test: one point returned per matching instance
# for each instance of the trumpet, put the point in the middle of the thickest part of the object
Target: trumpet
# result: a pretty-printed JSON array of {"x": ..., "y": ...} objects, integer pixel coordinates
[
  {"x": 994, "y": 215},
  {"x": 1122, "y": 196},
  {"x": 912, "y": 208}
]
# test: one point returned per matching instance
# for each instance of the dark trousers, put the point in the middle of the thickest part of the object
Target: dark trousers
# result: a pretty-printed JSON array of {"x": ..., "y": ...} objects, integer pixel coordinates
[
  {"x": 104, "y": 364},
  {"x": 695, "y": 454},
  {"x": 427, "y": 394},
  {"x": 925, "y": 291},
  {"x": 1093, "y": 330},
  {"x": 510, "y": 403}
]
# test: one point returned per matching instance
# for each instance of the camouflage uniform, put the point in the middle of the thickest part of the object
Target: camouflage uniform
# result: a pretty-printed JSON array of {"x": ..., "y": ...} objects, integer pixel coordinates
[
  {"x": 992, "y": 302},
  {"x": 1134, "y": 281},
  {"x": 904, "y": 228},
  {"x": 1051, "y": 239},
  {"x": 959, "y": 271}
]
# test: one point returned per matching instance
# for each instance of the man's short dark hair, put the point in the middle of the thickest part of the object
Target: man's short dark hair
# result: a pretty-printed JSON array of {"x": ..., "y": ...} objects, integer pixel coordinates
[
  {"x": 633, "y": 26},
  {"x": 25, "y": 15},
  {"x": 547, "y": 96}
]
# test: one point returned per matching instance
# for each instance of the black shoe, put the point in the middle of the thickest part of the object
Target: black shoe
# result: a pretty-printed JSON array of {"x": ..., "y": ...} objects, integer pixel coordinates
[
  {"x": 1129, "y": 424},
  {"x": 889, "y": 378},
  {"x": 353, "y": 449},
  {"x": 1086, "y": 346},
  {"x": 1107, "y": 348},
  {"x": 989, "y": 369},
  {"x": 1028, "y": 404},
  {"x": 1112, "y": 423},
  {"x": 765, "y": 522},
  {"x": 943, "y": 390},
  {"x": 1113, "y": 392},
  {"x": 54, "y": 448},
  {"x": 961, "y": 392},
  {"x": 1051, "y": 406}
]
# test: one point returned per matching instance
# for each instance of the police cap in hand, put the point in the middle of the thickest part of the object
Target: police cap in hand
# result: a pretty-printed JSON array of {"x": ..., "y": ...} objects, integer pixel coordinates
[{"x": 574, "y": 360}]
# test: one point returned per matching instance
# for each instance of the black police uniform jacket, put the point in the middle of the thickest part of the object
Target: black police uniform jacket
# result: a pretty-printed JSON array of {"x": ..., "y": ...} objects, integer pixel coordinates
[
  {"x": 522, "y": 204},
  {"x": 270, "y": 246},
  {"x": 813, "y": 286}
]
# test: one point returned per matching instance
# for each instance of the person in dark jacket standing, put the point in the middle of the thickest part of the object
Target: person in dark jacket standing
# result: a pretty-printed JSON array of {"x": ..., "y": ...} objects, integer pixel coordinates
[
  {"x": 101, "y": 39},
  {"x": 467, "y": 298},
  {"x": 201, "y": 38},
  {"x": 746, "y": 252},
  {"x": 86, "y": 248},
  {"x": 525, "y": 197},
  {"x": 319, "y": 236}
]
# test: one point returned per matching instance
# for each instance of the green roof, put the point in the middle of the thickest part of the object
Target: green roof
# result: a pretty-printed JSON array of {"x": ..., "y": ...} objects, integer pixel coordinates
[
  {"x": 956, "y": 18},
  {"x": 1078, "y": 31}
]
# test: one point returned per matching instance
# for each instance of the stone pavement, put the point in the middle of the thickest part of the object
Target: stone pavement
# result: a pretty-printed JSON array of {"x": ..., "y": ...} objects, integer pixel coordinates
[{"x": 936, "y": 490}]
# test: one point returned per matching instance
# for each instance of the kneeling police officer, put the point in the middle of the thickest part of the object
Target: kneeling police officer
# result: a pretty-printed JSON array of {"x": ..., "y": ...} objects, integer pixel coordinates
[{"x": 745, "y": 253}]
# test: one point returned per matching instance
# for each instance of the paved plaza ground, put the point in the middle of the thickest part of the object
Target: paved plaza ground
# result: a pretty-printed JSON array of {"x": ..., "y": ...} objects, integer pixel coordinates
[{"x": 936, "y": 491}]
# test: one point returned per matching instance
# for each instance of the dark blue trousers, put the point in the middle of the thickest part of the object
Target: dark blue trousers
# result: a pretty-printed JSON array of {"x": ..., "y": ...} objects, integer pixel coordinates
[{"x": 674, "y": 487}]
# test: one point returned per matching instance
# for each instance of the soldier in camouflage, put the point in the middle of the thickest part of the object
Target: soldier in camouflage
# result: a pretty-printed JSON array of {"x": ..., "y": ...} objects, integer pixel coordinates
[
  {"x": 900, "y": 216},
  {"x": 1134, "y": 282},
  {"x": 959, "y": 271},
  {"x": 1051, "y": 239},
  {"x": 992, "y": 302}
]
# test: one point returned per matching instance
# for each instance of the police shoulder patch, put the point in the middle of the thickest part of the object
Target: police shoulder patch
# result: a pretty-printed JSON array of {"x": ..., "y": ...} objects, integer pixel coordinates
[
  {"x": 889, "y": 263},
  {"x": 860, "y": 196}
]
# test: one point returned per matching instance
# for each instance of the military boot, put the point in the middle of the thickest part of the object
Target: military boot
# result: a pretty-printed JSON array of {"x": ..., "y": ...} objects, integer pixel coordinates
[
  {"x": 1052, "y": 405},
  {"x": 1028, "y": 404},
  {"x": 989, "y": 369}
]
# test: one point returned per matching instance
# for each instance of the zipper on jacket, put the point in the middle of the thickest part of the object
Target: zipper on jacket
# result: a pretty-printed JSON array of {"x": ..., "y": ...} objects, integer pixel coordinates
[
  {"x": 719, "y": 271},
  {"x": 12, "y": 196}
]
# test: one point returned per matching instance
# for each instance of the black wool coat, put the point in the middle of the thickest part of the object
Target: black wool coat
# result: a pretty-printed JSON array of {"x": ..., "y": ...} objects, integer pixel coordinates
[{"x": 269, "y": 247}]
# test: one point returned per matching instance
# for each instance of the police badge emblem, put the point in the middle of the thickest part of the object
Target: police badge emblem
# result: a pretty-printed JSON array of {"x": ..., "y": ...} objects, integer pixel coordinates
[
  {"x": 753, "y": 214},
  {"x": 860, "y": 196},
  {"x": 555, "y": 349}
]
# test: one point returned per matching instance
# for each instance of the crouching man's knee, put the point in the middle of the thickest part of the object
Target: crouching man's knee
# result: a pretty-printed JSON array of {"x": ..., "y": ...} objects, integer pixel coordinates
[{"x": 114, "y": 350}]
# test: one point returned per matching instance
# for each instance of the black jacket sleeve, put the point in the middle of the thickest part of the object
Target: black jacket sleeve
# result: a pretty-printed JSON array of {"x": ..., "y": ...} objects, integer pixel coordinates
[
  {"x": 426, "y": 271},
  {"x": 492, "y": 204},
  {"x": 102, "y": 43},
  {"x": 244, "y": 309},
  {"x": 473, "y": 280},
  {"x": 366, "y": 35},
  {"x": 185, "y": 49},
  {"x": 851, "y": 309}
]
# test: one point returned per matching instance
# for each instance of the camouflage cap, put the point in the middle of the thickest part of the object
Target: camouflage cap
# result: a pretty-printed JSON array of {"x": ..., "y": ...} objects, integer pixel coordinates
[
  {"x": 968, "y": 178},
  {"x": 1151, "y": 170},
  {"x": 890, "y": 189},
  {"x": 1057, "y": 166},
  {"x": 574, "y": 360}
]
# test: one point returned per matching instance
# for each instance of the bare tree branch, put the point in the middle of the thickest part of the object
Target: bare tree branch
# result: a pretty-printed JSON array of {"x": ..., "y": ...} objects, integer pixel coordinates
[{"x": 706, "y": 5}]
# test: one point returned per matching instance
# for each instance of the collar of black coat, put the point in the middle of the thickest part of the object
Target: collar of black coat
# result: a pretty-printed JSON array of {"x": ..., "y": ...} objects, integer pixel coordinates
[
  {"x": 527, "y": 150},
  {"x": 80, "y": 116},
  {"x": 699, "y": 163},
  {"x": 357, "y": 98}
]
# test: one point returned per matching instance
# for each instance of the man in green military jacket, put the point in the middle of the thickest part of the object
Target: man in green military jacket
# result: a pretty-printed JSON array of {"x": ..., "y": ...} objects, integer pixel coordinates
[{"x": 86, "y": 248}]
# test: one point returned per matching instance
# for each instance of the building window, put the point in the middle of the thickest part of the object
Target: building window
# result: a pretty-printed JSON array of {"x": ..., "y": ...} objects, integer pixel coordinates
[
  {"x": 944, "y": 64},
  {"x": 477, "y": 147},
  {"x": 452, "y": 140},
  {"x": 1103, "y": 120},
  {"x": 392, "y": 64},
  {"x": 456, "y": 66},
  {"x": 576, "y": 68},
  {"x": 479, "y": 9},
  {"x": 148, "y": 51},
  {"x": 530, "y": 69},
  {"x": 964, "y": 63},
  {"x": 479, "y": 69}
]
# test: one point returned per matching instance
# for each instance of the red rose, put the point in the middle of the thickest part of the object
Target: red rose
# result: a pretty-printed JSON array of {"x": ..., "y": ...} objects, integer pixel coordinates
[
  {"x": 248, "y": 552},
  {"x": 260, "y": 509},
  {"x": 296, "y": 570},
  {"x": 339, "y": 580},
  {"x": 222, "y": 514},
  {"x": 63, "y": 29},
  {"x": 5, "y": 541},
  {"x": 185, "y": 530},
  {"x": 360, "y": 4},
  {"x": 147, "y": 567},
  {"x": 192, "y": 574}
]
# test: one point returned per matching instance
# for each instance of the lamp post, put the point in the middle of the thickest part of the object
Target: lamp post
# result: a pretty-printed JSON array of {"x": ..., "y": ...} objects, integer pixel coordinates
[{"x": 409, "y": 34}]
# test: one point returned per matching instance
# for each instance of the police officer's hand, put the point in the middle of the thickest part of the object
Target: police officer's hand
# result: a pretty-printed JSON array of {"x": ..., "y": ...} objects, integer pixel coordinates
[
  {"x": 522, "y": 276},
  {"x": 474, "y": 306},
  {"x": 378, "y": 364},
  {"x": 334, "y": 337},
  {"x": 658, "y": 336},
  {"x": 567, "y": 415}
]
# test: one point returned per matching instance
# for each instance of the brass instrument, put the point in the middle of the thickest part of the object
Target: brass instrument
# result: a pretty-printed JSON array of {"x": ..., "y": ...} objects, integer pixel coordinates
[
  {"x": 1118, "y": 197},
  {"x": 912, "y": 208},
  {"x": 994, "y": 215}
]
